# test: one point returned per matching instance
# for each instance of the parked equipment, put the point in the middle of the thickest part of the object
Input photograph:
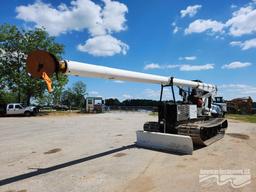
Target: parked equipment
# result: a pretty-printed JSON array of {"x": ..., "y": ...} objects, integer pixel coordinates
[
  {"x": 243, "y": 105},
  {"x": 219, "y": 101},
  {"x": 94, "y": 105},
  {"x": 195, "y": 120}
]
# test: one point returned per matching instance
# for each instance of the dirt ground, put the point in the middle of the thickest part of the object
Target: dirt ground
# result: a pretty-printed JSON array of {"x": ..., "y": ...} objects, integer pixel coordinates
[{"x": 97, "y": 153}]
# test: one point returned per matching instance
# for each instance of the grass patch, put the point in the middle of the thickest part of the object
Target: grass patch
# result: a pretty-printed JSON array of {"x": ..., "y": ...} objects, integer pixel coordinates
[
  {"x": 245, "y": 118},
  {"x": 153, "y": 113}
]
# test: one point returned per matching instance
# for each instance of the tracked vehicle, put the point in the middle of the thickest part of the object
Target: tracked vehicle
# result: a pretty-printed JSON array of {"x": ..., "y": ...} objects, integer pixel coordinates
[
  {"x": 196, "y": 120},
  {"x": 196, "y": 116}
]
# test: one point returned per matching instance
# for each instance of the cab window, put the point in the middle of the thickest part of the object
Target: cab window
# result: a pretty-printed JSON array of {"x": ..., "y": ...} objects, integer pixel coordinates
[
  {"x": 219, "y": 99},
  {"x": 10, "y": 106},
  {"x": 18, "y": 107}
]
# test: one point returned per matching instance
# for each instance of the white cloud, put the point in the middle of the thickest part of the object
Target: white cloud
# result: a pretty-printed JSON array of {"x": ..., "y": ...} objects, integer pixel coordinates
[
  {"x": 188, "y": 58},
  {"x": 118, "y": 81},
  {"x": 94, "y": 92},
  {"x": 155, "y": 94},
  {"x": 200, "y": 25},
  {"x": 196, "y": 67},
  {"x": 158, "y": 66},
  {"x": 114, "y": 16},
  {"x": 105, "y": 45},
  {"x": 182, "y": 67},
  {"x": 81, "y": 14},
  {"x": 237, "y": 90},
  {"x": 127, "y": 96},
  {"x": 101, "y": 21},
  {"x": 150, "y": 93},
  {"x": 248, "y": 44},
  {"x": 152, "y": 66},
  {"x": 175, "y": 30},
  {"x": 247, "y": 88},
  {"x": 243, "y": 21},
  {"x": 233, "y": 6},
  {"x": 172, "y": 66},
  {"x": 190, "y": 11},
  {"x": 236, "y": 65},
  {"x": 235, "y": 43}
]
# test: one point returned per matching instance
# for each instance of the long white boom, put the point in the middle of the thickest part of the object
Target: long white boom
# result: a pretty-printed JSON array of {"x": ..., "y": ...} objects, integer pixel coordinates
[
  {"x": 89, "y": 70},
  {"x": 42, "y": 64}
]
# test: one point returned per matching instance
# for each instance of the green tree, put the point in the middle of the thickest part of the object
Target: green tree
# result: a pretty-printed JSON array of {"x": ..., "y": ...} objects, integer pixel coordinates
[
  {"x": 6, "y": 97},
  {"x": 79, "y": 90},
  {"x": 68, "y": 98},
  {"x": 15, "y": 44},
  {"x": 75, "y": 96},
  {"x": 112, "y": 102},
  {"x": 46, "y": 99}
]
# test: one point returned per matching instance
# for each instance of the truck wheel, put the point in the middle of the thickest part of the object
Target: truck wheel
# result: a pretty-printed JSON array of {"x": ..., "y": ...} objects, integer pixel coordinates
[
  {"x": 35, "y": 111},
  {"x": 27, "y": 113}
]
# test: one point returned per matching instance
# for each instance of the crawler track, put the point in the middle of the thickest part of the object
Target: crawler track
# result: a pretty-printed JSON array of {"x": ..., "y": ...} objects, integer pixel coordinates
[{"x": 204, "y": 132}]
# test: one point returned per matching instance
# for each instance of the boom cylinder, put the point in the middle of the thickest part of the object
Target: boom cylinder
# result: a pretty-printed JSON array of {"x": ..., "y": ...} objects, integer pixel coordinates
[{"x": 41, "y": 62}]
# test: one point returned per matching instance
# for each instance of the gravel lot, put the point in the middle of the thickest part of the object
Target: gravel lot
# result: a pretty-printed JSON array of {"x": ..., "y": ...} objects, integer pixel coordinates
[{"x": 97, "y": 153}]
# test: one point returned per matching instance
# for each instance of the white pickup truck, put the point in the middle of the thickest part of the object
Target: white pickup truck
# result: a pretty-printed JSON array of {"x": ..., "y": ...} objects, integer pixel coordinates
[{"x": 17, "y": 109}]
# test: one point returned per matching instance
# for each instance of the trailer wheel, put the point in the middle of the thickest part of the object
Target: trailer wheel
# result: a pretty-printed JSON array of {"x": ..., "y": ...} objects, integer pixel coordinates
[
  {"x": 27, "y": 113},
  {"x": 151, "y": 126}
]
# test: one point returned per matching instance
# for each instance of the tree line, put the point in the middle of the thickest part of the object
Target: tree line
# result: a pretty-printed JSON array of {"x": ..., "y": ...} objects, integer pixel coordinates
[{"x": 132, "y": 102}]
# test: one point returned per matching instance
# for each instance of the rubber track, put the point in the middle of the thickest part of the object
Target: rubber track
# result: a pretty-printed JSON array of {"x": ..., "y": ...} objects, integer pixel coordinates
[{"x": 197, "y": 131}]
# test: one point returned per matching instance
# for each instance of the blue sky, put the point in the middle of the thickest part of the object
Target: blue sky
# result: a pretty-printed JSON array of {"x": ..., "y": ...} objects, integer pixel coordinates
[{"x": 207, "y": 40}]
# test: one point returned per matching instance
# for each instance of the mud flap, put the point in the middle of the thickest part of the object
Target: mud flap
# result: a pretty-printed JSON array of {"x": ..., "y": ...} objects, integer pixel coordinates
[{"x": 172, "y": 143}]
